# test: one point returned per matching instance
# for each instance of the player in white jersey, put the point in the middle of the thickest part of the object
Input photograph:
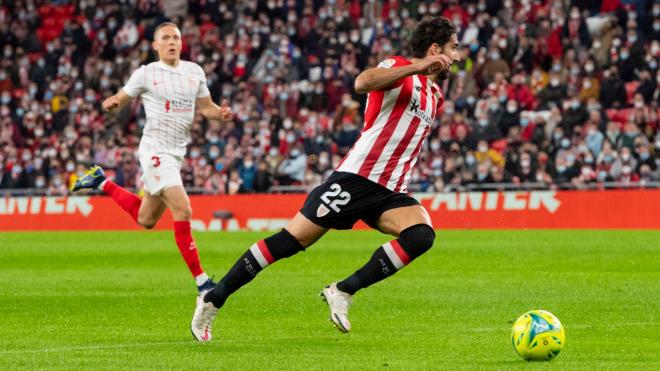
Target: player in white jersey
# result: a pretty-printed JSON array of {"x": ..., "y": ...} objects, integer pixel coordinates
[
  {"x": 369, "y": 184},
  {"x": 171, "y": 89}
]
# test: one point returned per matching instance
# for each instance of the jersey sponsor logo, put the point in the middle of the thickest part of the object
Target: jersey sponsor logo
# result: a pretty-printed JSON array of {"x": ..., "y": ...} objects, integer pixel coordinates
[
  {"x": 387, "y": 63},
  {"x": 415, "y": 109},
  {"x": 179, "y": 105},
  {"x": 156, "y": 83}
]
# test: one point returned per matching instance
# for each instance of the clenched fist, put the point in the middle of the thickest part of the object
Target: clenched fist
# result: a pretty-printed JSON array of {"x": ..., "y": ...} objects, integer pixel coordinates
[
  {"x": 111, "y": 103},
  {"x": 433, "y": 64}
]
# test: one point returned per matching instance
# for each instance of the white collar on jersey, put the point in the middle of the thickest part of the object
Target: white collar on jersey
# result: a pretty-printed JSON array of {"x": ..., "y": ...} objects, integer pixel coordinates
[{"x": 167, "y": 66}]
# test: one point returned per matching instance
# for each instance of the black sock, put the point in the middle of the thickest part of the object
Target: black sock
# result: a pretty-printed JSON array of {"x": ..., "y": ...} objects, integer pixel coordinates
[
  {"x": 243, "y": 271},
  {"x": 259, "y": 256},
  {"x": 389, "y": 258},
  {"x": 377, "y": 268}
]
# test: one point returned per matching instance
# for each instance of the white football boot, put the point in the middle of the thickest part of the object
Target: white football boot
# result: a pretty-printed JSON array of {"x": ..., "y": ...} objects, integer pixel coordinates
[
  {"x": 339, "y": 302},
  {"x": 202, "y": 321}
]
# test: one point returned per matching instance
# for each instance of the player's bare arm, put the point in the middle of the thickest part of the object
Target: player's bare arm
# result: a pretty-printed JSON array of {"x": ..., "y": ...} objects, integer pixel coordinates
[
  {"x": 379, "y": 78},
  {"x": 212, "y": 111},
  {"x": 116, "y": 101}
]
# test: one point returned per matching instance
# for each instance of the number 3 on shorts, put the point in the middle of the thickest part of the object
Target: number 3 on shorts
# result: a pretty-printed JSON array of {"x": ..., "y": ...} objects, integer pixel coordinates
[
  {"x": 335, "y": 197},
  {"x": 155, "y": 161}
]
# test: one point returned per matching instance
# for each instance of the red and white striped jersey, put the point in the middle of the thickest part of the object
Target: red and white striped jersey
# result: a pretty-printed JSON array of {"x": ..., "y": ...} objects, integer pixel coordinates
[
  {"x": 397, "y": 120},
  {"x": 169, "y": 95}
]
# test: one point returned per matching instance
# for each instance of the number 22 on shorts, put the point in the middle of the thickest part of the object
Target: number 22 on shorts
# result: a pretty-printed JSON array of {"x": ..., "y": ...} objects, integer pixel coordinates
[{"x": 335, "y": 198}]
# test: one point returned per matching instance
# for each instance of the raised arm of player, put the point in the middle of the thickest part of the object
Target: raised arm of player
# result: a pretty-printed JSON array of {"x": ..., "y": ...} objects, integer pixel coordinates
[
  {"x": 379, "y": 78},
  {"x": 212, "y": 111},
  {"x": 116, "y": 101}
]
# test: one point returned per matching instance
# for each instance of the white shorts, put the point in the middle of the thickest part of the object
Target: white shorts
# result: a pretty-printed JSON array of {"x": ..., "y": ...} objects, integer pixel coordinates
[{"x": 160, "y": 171}]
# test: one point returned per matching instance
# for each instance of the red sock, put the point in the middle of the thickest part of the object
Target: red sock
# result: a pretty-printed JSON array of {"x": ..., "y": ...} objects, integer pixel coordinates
[
  {"x": 127, "y": 200},
  {"x": 187, "y": 247}
]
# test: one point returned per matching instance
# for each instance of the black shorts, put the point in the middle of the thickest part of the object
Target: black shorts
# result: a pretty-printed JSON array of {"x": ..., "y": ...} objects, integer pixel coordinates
[{"x": 344, "y": 198}]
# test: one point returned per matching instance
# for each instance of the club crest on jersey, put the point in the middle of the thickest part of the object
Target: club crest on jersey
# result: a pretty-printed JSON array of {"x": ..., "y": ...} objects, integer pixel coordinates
[
  {"x": 167, "y": 106},
  {"x": 322, "y": 211}
]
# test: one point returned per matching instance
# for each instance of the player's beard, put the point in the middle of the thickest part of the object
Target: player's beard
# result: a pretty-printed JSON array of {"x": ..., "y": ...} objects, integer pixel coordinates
[{"x": 443, "y": 75}]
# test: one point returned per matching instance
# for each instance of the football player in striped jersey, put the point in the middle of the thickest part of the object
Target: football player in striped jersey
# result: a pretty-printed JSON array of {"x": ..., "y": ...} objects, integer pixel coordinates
[{"x": 370, "y": 184}]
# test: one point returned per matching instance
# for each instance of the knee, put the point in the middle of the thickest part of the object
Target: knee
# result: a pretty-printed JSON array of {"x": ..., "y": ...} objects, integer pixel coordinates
[
  {"x": 417, "y": 240},
  {"x": 283, "y": 244},
  {"x": 182, "y": 213},
  {"x": 145, "y": 222}
]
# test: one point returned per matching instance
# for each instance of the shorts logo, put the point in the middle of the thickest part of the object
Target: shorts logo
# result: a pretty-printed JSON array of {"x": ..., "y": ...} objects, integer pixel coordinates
[
  {"x": 333, "y": 199},
  {"x": 322, "y": 211}
]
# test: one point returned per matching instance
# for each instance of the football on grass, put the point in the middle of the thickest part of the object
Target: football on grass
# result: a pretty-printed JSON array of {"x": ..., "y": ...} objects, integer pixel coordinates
[{"x": 537, "y": 336}]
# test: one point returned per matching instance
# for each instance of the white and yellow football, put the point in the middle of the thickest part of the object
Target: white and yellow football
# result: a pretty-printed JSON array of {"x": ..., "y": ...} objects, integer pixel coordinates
[{"x": 537, "y": 336}]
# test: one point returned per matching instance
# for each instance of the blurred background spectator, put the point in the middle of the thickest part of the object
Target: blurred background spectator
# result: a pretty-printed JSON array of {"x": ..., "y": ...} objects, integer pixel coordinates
[{"x": 557, "y": 93}]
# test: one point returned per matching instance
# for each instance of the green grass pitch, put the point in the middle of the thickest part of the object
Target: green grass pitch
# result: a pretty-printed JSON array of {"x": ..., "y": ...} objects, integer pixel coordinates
[{"x": 124, "y": 300}]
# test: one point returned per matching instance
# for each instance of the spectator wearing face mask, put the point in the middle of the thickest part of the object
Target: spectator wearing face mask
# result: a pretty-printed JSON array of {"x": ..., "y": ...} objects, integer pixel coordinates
[
  {"x": 590, "y": 84},
  {"x": 494, "y": 64},
  {"x": 510, "y": 117},
  {"x": 594, "y": 138},
  {"x": 484, "y": 129},
  {"x": 645, "y": 158},
  {"x": 613, "y": 92},
  {"x": 520, "y": 92},
  {"x": 553, "y": 93},
  {"x": 292, "y": 169},
  {"x": 526, "y": 169},
  {"x": 462, "y": 88},
  {"x": 627, "y": 138},
  {"x": 485, "y": 154},
  {"x": 575, "y": 29},
  {"x": 564, "y": 171},
  {"x": 640, "y": 113},
  {"x": 646, "y": 84},
  {"x": 247, "y": 171},
  {"x": 57, "y": 187},
  {"x": 262, "y": 178},
  {"x": 575, "y": 114}
]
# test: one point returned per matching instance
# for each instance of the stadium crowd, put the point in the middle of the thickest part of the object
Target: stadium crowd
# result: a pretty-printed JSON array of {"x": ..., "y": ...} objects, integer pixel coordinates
[{"x": 552, "y": 92}]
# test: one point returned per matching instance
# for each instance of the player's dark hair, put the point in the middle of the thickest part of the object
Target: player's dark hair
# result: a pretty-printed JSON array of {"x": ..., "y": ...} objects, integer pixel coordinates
[
  {"x": 164, "y": 24},
  {"x": 428, "y": 31}
]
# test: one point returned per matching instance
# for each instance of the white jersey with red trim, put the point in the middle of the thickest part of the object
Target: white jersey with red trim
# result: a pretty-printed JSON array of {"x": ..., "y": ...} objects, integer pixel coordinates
[
  {"x": 397, "y": 120},
  {"x": 169, "y": 95}
]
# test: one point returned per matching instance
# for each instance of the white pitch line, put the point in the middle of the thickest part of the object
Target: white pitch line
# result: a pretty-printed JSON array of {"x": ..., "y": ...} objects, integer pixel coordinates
[
  {"x": 579, "y": 326},
  {"x": 77, "y": 348},
  {"x": 83, "y": 348}
]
